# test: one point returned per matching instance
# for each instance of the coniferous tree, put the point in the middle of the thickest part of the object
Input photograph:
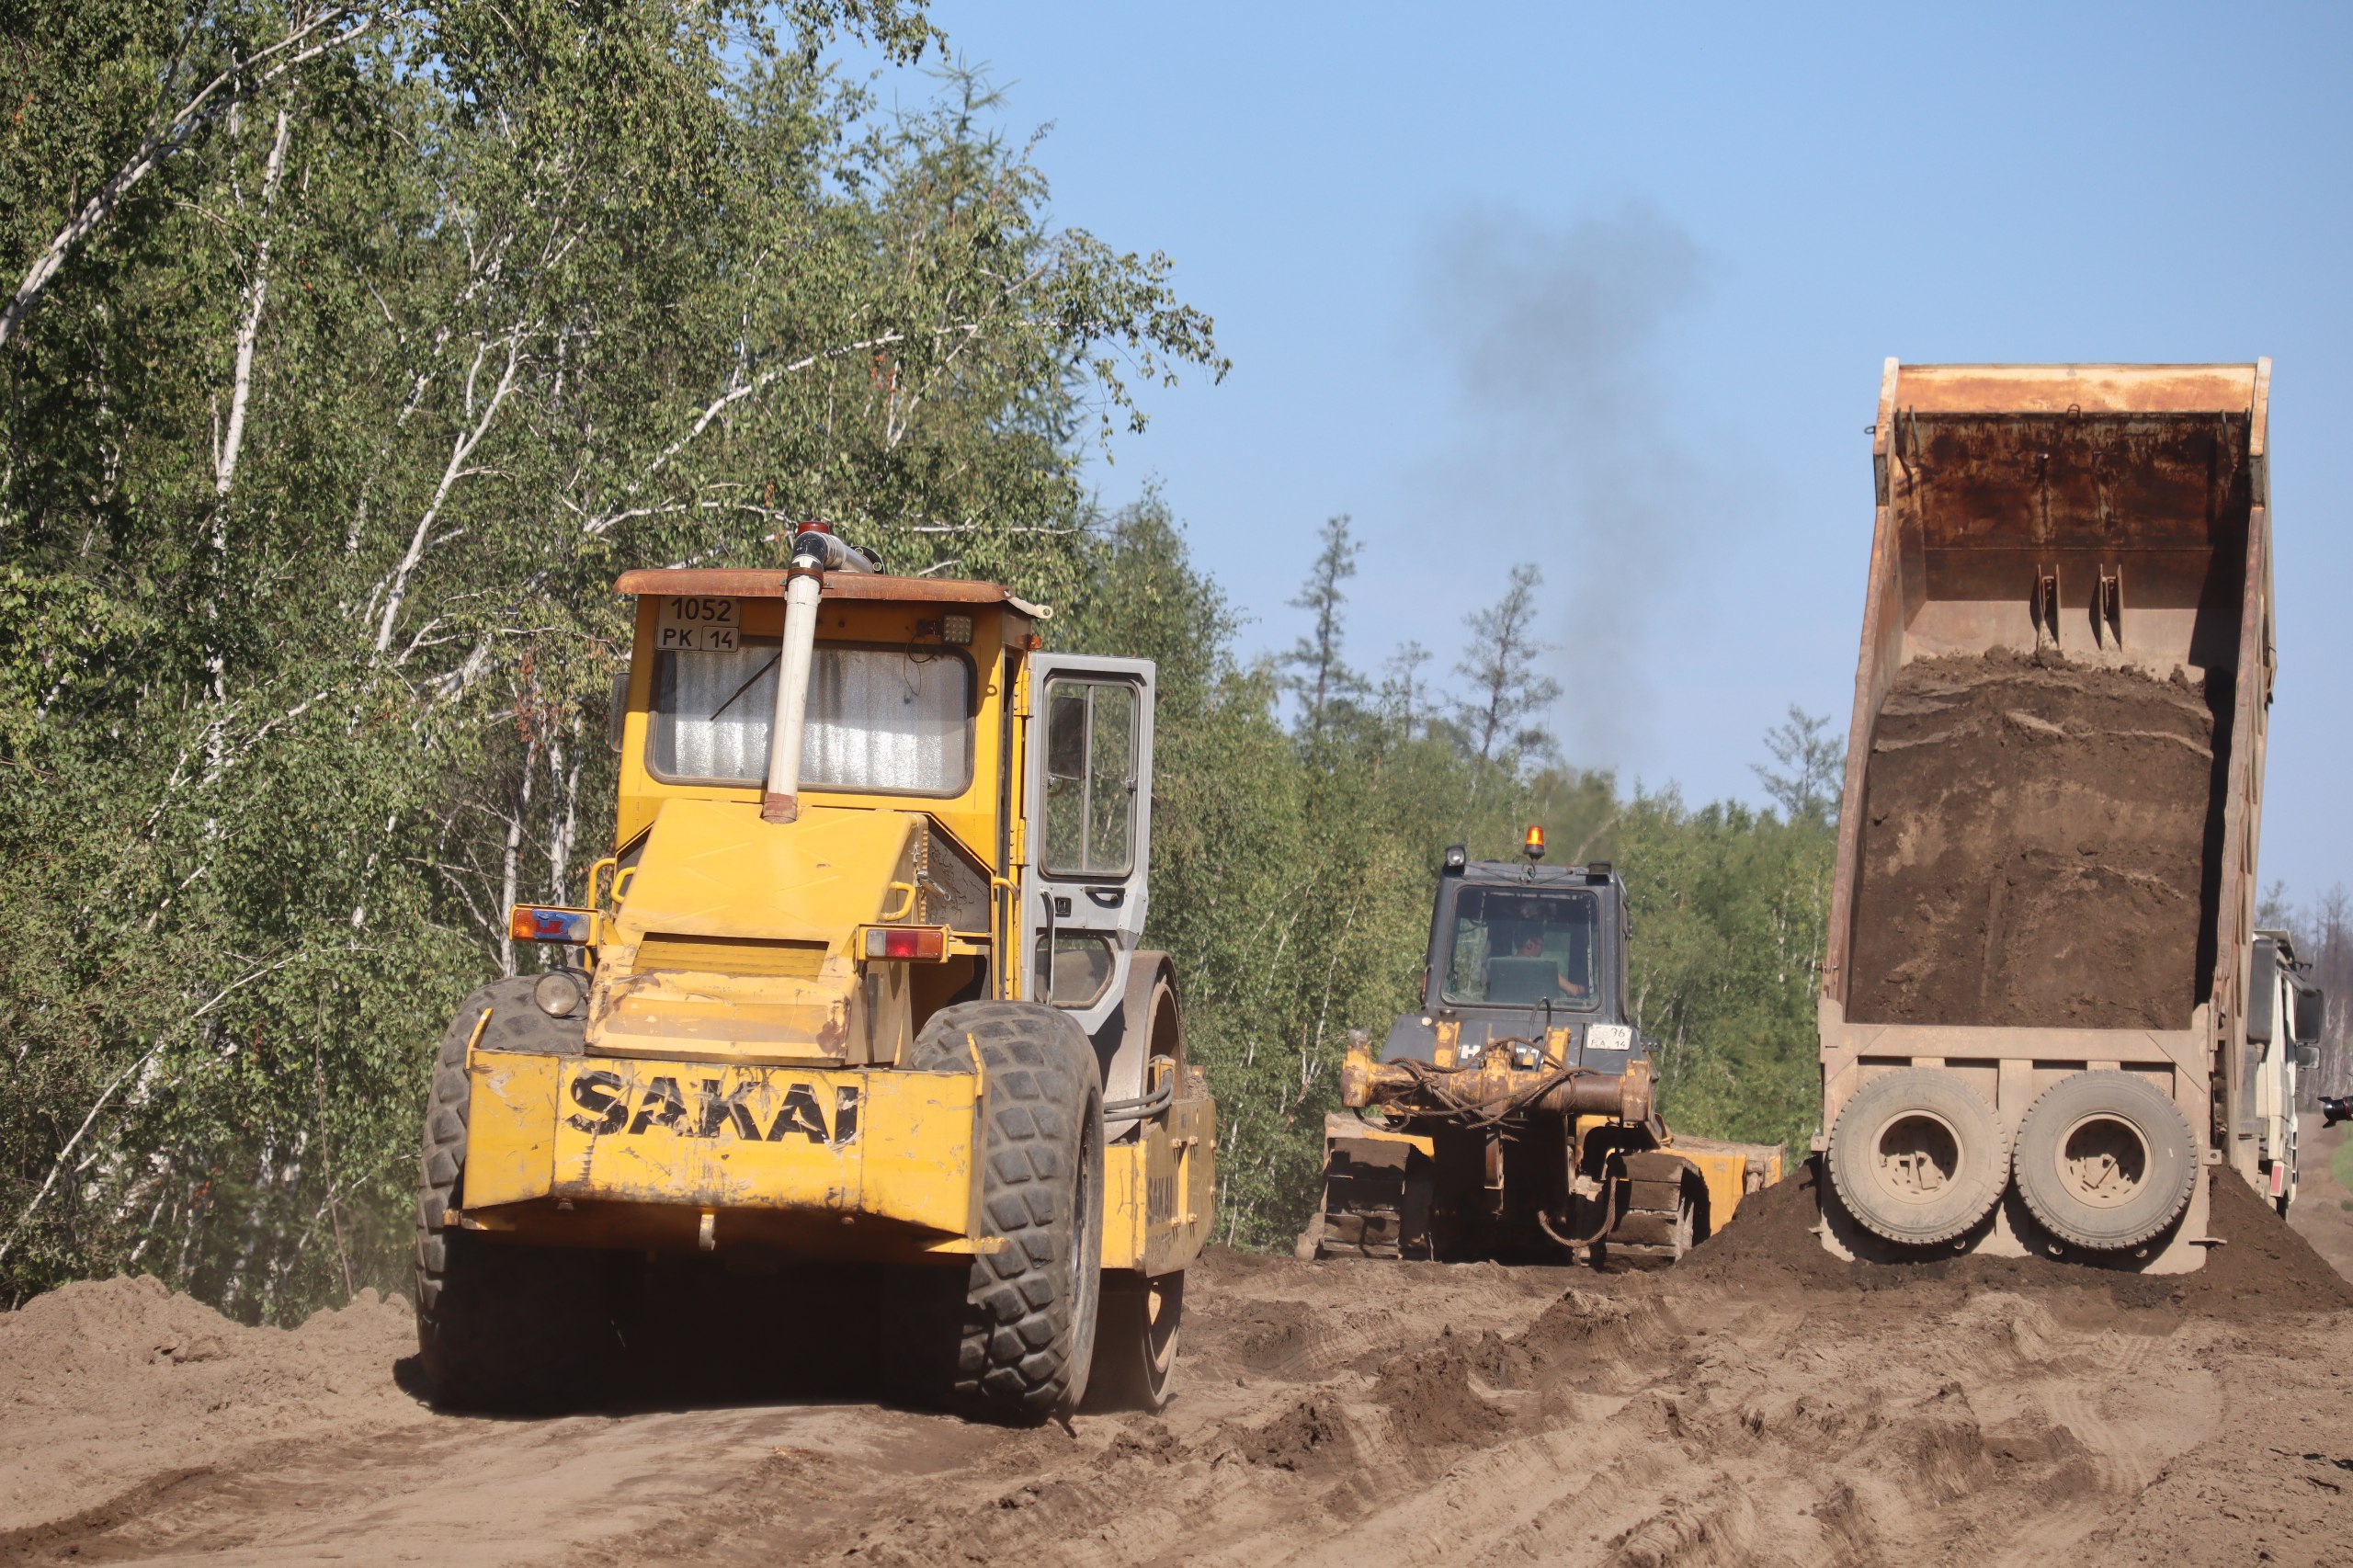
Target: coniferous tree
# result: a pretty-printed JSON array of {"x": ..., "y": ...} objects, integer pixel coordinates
[
  {"x": 1319, "y": 676},
  {"x": 1509, "y": 694}
]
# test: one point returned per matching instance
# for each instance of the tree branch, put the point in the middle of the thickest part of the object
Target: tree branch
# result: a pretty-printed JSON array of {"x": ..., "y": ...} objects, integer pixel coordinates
[{"x": 168, "y": 139}]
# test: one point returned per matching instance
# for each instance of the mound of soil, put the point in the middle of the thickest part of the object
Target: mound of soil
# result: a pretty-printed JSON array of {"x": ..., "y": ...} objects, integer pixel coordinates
[
  {"x": 1311, "y": 1435},
  {"x": 1430, "y": 1401},
  {"x": 124, "y": 1375},
  {"x": 2035, "y": 843},
  {"x": 2261, "y": 1265}
]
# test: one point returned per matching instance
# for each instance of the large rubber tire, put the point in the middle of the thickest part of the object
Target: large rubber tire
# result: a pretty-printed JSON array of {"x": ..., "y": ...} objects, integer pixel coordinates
[
  {"x": 498, "y": 1326},
  {"x": 2106, "y": 1160},
  {"x": 1031, "y": 1308},
  {"x": 1135, "y": 1343},
  {"x": 1917, "y": 1157}
]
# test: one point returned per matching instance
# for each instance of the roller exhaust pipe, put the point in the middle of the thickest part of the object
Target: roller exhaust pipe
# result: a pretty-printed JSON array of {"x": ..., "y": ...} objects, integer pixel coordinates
[{"x": 816, "y": 551}]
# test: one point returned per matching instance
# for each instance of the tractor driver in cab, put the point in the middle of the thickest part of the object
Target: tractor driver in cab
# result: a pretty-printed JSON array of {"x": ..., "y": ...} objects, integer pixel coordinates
[{"x": 1531, "y": 945}]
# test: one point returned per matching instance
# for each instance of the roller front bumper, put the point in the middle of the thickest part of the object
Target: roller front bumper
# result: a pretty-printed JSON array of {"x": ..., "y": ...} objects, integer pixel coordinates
[{"x": 841, "y": 1145}]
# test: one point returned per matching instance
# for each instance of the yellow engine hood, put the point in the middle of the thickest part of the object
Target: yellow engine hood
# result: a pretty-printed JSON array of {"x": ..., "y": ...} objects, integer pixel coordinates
[{"x": 732, "y": 941}]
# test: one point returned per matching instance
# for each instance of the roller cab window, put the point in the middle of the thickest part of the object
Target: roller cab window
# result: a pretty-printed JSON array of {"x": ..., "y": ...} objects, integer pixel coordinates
[
  {"x": 1516, "y": 947},
  {"x": 881, "y": 719},
  {"x": 1090, "y": 778}
]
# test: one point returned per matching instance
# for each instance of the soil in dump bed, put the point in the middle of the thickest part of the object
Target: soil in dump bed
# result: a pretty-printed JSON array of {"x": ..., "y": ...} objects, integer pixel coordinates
[{"x": 2035, "y": 846}]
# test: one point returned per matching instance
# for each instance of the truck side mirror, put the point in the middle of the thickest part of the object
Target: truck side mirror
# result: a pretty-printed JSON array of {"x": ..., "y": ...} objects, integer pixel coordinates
[
  {"x": 616, "y": 715},
  {"x": 2311, "y": 1012},
  {"x": 2307, "y": 1058}
]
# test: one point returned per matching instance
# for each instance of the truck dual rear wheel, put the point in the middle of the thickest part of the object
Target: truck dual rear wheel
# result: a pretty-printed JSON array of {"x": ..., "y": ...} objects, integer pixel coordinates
[
  {"x": 2106, "y": 1160},
  {"x": 1917, "y": 1157},
  {"x": 1030, "y": 1306}
]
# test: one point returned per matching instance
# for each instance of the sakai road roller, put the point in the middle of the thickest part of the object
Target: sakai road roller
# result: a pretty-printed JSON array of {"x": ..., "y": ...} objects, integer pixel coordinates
[
  {"x": 1513, "y": 1116},
  {"x": 859, "y": 988}
]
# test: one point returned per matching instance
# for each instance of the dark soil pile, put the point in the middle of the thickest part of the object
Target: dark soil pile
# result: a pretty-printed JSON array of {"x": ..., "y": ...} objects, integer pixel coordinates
[
  {"x": 1431, "y": 1402},
  {"x": 2261, "y": 1265},
  {"x": 2034, "y": 847}
]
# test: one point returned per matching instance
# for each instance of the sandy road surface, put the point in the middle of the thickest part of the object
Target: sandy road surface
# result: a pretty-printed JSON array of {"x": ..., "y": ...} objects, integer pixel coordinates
[
  {"x": 2323, "y": 1211},
  {"x": 1759, "y": 1404}
]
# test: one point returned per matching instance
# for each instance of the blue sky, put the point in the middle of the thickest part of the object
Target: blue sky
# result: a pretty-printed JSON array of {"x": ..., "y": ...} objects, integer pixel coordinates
[{"x": 1608, "y": 288}]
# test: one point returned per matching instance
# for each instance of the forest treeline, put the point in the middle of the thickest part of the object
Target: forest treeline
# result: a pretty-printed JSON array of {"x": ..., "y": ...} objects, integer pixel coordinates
[
  {"x": 1301, "y": 810},
  {"x": 353, "y": 349}
]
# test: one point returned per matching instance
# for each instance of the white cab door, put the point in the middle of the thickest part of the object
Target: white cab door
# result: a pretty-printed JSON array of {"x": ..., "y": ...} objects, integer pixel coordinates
[{"x": 1084, "y": 892}]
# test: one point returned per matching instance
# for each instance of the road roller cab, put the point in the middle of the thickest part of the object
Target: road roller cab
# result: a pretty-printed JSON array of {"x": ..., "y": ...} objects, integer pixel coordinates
[{"x": 861, "y": 983}]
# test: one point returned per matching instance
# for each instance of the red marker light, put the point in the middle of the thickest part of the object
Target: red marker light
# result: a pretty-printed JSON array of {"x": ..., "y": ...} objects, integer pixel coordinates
[
  {"x": 907, "y": 944},
  {"x": 537, "y": 922}
]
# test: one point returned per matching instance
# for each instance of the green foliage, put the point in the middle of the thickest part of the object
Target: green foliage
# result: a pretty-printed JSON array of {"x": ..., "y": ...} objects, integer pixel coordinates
[
  {"x": 1293, "y": 868},
  {"x": 400, "y": 333},
  {"x": 1320, "y": 676},
  {"x": 1813, "y": 765},
  {"x": 351, "y": 350}
]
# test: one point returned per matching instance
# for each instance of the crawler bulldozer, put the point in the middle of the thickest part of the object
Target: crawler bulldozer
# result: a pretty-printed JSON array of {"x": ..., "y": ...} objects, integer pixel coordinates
[
  {"x": 860, "y": 989},
  {"x": 1513, "y": 1116}
]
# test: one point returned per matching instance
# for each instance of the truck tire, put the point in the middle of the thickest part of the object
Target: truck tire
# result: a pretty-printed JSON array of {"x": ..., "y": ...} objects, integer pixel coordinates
[
  {"x": 1917, "y": 1157},
  {"x": 2106, "y": 1160},
  {"x": 1031, "y": 1309},
  {"x": 1135, "y": 1342},
  {"x": 498, "y": 1325}
]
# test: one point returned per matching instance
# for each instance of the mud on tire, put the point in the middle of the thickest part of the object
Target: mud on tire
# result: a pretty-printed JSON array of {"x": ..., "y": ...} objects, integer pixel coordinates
[
  {"x": 1917, "y": 1157},
  {"x": 498, "y": 1326},
  {"x": 1027, "y": 1336}
]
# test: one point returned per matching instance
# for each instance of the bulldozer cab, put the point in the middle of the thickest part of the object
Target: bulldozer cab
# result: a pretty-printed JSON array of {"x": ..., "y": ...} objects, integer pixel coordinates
[
  {"x": 1528, "y": 957},
  {"x": 1512, "y": 947}
]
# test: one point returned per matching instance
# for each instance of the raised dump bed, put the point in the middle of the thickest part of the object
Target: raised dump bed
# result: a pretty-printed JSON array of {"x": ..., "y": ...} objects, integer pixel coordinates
[{"x": 2041, "y": 924}]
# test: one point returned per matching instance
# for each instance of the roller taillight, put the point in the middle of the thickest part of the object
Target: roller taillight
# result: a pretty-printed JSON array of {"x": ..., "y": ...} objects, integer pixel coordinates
[
  {"x": 907, "y": 944},
  {"x": 541, "y": 923}
]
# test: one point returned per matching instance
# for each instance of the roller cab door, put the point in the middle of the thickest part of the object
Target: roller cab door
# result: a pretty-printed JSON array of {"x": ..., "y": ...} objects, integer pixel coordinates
[{"x": 1088, "y": 801}]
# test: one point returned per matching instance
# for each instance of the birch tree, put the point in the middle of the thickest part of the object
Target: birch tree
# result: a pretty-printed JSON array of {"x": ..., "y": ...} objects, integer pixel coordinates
[{"x": 325, "y": 437}]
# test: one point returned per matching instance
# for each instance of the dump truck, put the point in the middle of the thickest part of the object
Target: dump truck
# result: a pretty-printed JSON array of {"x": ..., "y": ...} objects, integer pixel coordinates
[
  {"x": 1513, "y": 1116},
  {"x": 861, "y": 985},
  {"x": 2046, "y": 1019}
]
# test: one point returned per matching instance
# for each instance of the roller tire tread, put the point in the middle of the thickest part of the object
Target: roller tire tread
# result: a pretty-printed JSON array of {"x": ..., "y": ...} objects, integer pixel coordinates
[
  {"x": 497, "y": 1326},
  {"x": 1025, "y": 1345}
]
